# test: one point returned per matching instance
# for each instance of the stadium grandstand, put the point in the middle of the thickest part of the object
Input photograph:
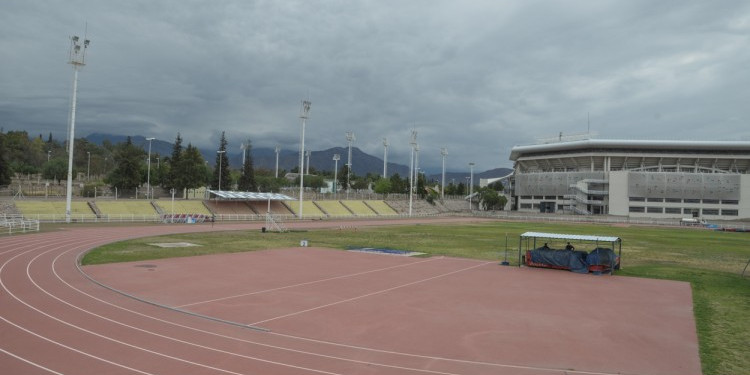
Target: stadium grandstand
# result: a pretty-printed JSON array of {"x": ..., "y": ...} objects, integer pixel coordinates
[{"x": 661, "y": 179}]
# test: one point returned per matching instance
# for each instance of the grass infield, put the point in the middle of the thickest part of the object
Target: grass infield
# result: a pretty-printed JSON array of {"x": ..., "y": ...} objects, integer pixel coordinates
[{"x": 710, "y": 261}]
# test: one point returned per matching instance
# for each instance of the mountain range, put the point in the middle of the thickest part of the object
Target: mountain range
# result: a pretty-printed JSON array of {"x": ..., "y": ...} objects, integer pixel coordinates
[{"x": 263, "y": 157}]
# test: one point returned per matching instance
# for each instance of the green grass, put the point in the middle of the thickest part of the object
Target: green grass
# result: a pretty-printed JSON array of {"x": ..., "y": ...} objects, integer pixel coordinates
[{"x": 710, "y": 261}]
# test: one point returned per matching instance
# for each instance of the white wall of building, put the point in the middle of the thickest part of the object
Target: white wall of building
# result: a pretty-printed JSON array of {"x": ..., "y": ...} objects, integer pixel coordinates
[
  {"x": 618, "y": 193},
  {"x": 744, "y": 196}
]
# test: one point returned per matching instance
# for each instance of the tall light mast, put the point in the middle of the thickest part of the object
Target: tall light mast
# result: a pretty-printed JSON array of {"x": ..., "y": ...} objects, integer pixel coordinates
[
  {"x": 444, "y": 152},
  {"x": 336, "y": 158},
  {"x": 148, "y": 173},
  {"x": 349, "y": 138},
  {"x": 471, "y": 183},
  {"x": 278, "y": 148},
  {"x": 385, "y": 157},
  {"x": 303, "y": 115},
  {"x": 413, "y": 144},
  {"x": 77, "y": 58}
]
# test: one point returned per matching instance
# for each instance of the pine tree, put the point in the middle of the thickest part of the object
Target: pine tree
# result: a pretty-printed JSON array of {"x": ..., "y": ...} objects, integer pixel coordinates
[
  {"x": 175, "y": 178},
  {"x": 193, "y": 168},
  {"x": 5, "y": 177},
  {"x": 247, "y": 180},
  {"x": 130, "y": 160},
  {"x": 221, "y": 169}
]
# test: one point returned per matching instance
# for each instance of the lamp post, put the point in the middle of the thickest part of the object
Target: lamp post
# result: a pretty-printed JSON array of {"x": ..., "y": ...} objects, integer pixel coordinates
[
  {"x": 148, "y": 173},
  {"x": 77, "y": 58},
  {"x": 444, "y": 152},
  {"x": 88, "y": 166},
  {"x": 220, "y": 152},
  {"x": 385, "y": 157},
  {"x": 336, "y": 158},
  {"x": 413, "y": 144},
  {"x": 278, "y": 148},
  {"x": 471, "y": 183},
  {"x": 349, "y": 138},
  {"x": 303, "y": 115}
]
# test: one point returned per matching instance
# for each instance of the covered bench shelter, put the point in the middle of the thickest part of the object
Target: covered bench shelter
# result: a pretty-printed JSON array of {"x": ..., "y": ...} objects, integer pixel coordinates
[
  {"x": 248, "y": 196},
  {"x": 530, "y": 238}
]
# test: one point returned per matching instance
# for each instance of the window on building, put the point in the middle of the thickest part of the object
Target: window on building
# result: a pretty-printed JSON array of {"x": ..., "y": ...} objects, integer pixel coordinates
[
  {"x": 637, "y": 199},
  {"x": 673, "y": 200},
  {"x": 672, "y": 210},
  {"x": 710, "y": 201},
  {"x": 689, "y": 211},
  {"x": 550, "y": 197},
  {"x": 526, "y": 197},
  {"x": 655, "y": 210},
  {"x": 535, "y": 206},
  {"x": 560, "y": 197},
  {"x": 655, "y": 200},
  {"x": 730, "y": 212},
  {"x": 526, "y": 206},
  {"x": 637, "y": 209},
  {"x": 560, "y": 207},
  {"x": 710, "y": 211},
  {"x": 690, "y": 200},
  {"x": 729, "y": 201},
  {"x": 538, "y": 197}
]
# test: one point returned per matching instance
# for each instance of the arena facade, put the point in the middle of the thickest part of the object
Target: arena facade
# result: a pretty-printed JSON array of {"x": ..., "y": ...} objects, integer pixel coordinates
[{"x": 663, "y": 179}]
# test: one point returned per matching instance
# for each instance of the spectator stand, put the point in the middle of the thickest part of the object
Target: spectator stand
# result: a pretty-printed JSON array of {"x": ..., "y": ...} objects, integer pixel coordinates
[
  {"x": 247, "y": 198},
  {"x": 599, "y": 260}
]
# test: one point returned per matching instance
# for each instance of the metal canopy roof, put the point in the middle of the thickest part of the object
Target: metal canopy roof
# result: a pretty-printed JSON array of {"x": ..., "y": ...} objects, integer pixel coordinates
[
  {"x": 249, "y": 196},
  {"x": 574, "y": 237}
]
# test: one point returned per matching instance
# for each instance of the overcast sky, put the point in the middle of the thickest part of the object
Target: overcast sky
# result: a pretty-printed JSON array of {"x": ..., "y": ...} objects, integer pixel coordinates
[{"x": 477, "y": 77}]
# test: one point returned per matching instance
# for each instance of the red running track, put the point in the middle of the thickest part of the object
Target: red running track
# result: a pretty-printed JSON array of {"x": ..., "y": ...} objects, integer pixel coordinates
[{"x": 414, "y": 316}]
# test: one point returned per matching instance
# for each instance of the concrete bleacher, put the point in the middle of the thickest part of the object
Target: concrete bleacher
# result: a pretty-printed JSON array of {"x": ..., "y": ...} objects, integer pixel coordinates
[
  {"x": 359, "y": 208},
  {"x": 124, "y": 208},
  {"x": 277, "y": 208},
  {"x": 419, "y": 207},
  {"x": 229, "y": 207},
  {"x": 182, "y": 206},
  {"x": 43, "y": 209},
  {"x": 333, "y": 208},
  {"x": 381, "y": 208},
  {"x": 309, "y": 209}
]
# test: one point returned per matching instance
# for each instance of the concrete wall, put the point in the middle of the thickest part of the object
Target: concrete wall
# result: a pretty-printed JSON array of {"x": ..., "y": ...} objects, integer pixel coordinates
[
  {"x": 618, "y": 193},
  {"x": 744, "y": 197}
]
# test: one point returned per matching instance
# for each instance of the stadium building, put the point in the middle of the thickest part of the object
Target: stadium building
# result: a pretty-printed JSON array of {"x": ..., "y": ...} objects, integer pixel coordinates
[{"x": 662, "y": 179}]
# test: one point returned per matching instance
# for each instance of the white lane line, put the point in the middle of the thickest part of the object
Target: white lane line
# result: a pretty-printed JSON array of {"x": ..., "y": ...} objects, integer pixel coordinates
[
  {"x": 305, "y": 283},
  {"x": 370, "y": 294},
  {"x": 30, "y": 362}
]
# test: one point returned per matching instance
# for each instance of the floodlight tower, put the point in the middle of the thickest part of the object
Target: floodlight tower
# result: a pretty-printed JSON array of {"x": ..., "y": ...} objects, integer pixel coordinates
[
  {"x": 88, "y": 166},
  {"x": 471, "y": 183},
  {"x": 307, "y": 166},
  {"x": 303, "y": 115},
  {"x": 349, "y": 138},
  {"x": 148, "y": 173},
  {"x": 278, "y": 148},
  {"x": 385, "y": 157},
  {"x": 77, "y": 58},
  {"x": 413, "y": 144},
  {"x": 444, "y": 152},
  {"x": 336, "y": 158}
]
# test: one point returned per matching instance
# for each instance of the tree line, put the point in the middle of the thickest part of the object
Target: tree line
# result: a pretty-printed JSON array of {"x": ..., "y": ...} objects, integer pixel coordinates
[{"x": 125, "y": 166}]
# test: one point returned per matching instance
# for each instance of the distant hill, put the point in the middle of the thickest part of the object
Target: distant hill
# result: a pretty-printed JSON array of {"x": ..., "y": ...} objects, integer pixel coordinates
[{"x": 264, "y": 157}]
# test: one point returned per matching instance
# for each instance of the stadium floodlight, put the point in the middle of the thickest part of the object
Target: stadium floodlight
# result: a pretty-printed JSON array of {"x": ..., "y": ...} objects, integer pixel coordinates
[
  {"x": 444, "y": 153},
  {"x": 220, "y": 157},
  {"x": 278, "y": 148},
  {"x": 303, "y": 115},
  {"x": 413, "y": 144},
  {"x": 148, "y": 173},
  {"x": 88, "y": 166},
  {"x": 385, "y": 157},
  {"x": 336, "y": 158},
  {"x": 76, "y": 58},
  {"x": 349, "y": 139},
  {"x": 471, "y": 183}
]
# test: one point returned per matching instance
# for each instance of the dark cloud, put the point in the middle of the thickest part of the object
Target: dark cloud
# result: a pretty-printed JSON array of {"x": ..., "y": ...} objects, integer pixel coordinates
[{"x": 476, "y": 77}]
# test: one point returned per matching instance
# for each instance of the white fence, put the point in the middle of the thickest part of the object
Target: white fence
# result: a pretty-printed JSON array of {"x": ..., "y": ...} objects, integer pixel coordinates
[{"x": 16, "y": 224}]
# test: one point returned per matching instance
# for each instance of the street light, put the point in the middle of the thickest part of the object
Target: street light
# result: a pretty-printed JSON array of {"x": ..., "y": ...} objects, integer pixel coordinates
[
  {"x": 471, "y": 183},
  {"x": 349, "y": 138},
  {"x": 148, "y": 174},
  {"x": 303, "y": 116},
  {"x": 88, "y": 166},
  {"x": 336, "y": 158},
  {"x": 385, "y": 157},
  {"x": 220, "y": 152},
  {"x": 77, "y": 58},
  {"x": 278, "y": 148},
  {"x": 444, "y": 152}
]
